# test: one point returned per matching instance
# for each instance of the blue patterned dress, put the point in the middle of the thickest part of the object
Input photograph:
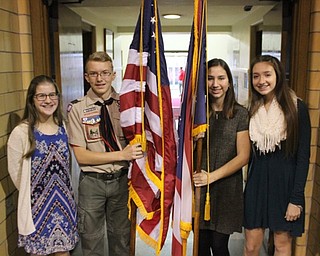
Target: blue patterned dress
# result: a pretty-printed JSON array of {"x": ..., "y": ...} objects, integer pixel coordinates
[{"x": 52, "y": 199}]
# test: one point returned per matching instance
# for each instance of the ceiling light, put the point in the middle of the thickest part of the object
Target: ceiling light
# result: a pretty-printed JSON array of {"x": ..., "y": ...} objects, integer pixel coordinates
[{"x": 172, "y": 16}]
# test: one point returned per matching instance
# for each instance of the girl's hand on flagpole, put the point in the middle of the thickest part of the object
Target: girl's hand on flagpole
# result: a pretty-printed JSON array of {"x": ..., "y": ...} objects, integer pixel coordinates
[
  {"x": 199, "y": 136},
  {"x": 200, "y": 178}
]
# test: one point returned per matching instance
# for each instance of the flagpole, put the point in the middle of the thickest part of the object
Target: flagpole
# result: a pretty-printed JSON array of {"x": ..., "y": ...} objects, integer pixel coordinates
[
  {"x": 197, "y": 201},
  {"x": 133, "y": 218},
  {"x": 184, "y": 247}
]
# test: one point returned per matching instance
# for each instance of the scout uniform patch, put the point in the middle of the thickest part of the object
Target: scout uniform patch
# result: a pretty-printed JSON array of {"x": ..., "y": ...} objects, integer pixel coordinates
[
  {"x": 91, "y": 121},
  {"x": 70, "y": 105}
]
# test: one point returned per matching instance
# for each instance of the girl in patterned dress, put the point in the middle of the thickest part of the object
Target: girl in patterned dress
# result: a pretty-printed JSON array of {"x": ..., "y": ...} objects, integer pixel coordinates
[{"x": 39, "y": 165}]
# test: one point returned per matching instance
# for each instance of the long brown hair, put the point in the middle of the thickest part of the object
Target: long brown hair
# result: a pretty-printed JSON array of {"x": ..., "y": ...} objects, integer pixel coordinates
[
  {"x": 283, "y": 94},
  {"x": 31, "y": 115},
  {"x": 230, "y": 98}
]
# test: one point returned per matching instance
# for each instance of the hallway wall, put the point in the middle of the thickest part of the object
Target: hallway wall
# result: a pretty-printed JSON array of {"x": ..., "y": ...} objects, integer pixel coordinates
[{"x": 71, "y": 56}]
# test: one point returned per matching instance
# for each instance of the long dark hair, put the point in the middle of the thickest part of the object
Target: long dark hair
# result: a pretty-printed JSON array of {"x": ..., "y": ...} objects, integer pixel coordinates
[
  {"x": 230, "y": 98},
  {"x": 283, "y": 94},
  {"x": 31, "y": 115}
]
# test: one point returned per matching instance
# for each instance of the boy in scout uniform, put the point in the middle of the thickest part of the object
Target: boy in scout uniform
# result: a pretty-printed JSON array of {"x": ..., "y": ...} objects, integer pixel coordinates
[{"x": 103, "y": 189}]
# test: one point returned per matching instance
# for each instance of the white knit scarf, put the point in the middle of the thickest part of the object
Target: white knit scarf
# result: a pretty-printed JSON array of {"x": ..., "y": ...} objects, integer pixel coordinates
[{"x": 268, "y": 128}]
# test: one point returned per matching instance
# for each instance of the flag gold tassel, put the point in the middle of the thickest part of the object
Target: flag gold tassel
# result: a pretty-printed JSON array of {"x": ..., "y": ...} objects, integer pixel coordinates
[
  {"x": 207, "y": 204},
  {"x": 207, "y": 207}
]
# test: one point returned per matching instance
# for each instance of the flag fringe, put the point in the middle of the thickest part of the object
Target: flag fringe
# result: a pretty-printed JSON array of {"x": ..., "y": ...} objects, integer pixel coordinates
[
  {"x": 140, "y": 138},
  {"x": 136, "y": 199},
  {"x": 154, "y": 178},
  {"x": 148, "y": 240},
  {"x": 199, "y": 129}
]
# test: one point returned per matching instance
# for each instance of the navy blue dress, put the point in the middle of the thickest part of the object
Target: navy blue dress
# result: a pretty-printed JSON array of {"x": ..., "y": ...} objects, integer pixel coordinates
[{"x": 275, "y": 180}]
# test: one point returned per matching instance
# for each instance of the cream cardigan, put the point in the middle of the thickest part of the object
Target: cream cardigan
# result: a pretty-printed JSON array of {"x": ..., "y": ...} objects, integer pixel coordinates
[{"x": 20, "y": 171}]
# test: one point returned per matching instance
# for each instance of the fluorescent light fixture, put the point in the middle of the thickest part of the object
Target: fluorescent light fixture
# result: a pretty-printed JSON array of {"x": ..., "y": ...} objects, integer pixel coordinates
[{"x": 172, "y": 16}]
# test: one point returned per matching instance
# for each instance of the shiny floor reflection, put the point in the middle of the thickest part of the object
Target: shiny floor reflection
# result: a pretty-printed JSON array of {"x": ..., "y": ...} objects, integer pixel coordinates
[{"x": 235, "y": 246}]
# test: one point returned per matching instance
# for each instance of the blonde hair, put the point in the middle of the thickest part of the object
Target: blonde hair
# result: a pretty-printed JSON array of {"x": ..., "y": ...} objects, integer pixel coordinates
[{"x": 100, "y": 57}]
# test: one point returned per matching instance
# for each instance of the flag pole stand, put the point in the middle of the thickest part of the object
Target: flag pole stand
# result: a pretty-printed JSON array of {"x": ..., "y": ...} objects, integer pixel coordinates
[
  {"x": 133, "y": 218},
  {"x": 197, "y": 202}
]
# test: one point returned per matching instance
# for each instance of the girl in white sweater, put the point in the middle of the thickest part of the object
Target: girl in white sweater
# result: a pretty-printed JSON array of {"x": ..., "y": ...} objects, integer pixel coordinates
[{"x": 39, "y": 166}]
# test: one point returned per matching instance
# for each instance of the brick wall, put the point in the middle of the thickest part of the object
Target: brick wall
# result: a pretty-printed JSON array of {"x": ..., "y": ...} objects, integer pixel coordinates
[
  {"x": 313, "y": 238},
  {"x": 16, "y": 71}
]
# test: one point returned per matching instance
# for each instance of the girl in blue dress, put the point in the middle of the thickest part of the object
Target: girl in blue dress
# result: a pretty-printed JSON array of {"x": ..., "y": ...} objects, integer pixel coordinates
[{"x": 39, "y": 165}]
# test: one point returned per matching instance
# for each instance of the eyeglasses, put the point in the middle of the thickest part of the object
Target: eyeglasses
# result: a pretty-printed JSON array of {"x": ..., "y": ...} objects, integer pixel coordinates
[
  {"x": 43, "y": 96},
  {"x": 103, "y": 74}
]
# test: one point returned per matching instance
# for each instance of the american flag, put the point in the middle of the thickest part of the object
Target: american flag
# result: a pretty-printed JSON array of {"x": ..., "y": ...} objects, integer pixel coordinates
[
  {"x": 146, "y": 117},
  {"x": 192, "y": 121}
]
